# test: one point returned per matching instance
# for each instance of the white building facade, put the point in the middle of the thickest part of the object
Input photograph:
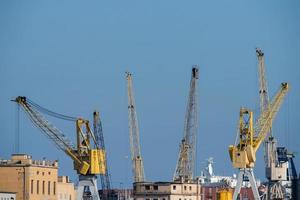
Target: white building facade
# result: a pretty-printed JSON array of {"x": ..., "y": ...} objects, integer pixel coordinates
[{"x": 7, "y": 196}]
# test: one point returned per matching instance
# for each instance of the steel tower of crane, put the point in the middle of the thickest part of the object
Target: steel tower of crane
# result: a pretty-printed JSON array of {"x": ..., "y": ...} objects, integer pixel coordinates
[
  {"x": 104, "y": 178},
  {"x": 136, "y": 157},
  {"x": 88, "y": 159},
  {"x": 275, "y": 170},
  {"x": 263, "y": 89},
  {"x": 186, "y": 159},
  {"x": 243, "y": 153}
]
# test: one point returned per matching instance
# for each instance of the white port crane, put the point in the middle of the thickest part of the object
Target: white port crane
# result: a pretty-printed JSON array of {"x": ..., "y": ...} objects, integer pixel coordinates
[
  {"x": 275, "y": 171},
  {"x": 136, "y": 157}
]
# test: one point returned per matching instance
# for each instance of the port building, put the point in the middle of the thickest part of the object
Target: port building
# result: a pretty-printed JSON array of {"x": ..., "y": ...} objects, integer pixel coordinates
[{"x": 166, "y": 191}]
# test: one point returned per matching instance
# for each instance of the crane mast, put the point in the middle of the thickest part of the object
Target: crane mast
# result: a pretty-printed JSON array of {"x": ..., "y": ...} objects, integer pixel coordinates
[
  {"x": 275, "y": 170},
  {"x": 88, "y": 159},
  {"x": 270, "y": 142},
  {"x": 186, "y": 159},
  {"x": 104, "y": 178},
  {"x": 136, "y": 157},
  {"x": 263, "y": 89},
  {"x": 243, "y": 153}
]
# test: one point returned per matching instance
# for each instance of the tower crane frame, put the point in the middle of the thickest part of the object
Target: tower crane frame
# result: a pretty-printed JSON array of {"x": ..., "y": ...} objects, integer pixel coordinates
[
  {"x": 185, "y": 167},
  {"x": 134, "y": 135},
  {"x": 99, "y": 136}
]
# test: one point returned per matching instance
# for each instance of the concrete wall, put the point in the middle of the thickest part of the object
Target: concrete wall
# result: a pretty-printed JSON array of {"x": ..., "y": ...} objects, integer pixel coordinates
[
  {"x": 41, "y": 183},
  {"x": 12, "y": 180},
  {"x": 29, "y": 183},
  {"x": 210, "y": 193}
]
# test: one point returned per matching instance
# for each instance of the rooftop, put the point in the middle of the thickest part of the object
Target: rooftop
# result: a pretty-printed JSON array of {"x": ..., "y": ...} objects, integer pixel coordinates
[{"x": 26, "y": 160}]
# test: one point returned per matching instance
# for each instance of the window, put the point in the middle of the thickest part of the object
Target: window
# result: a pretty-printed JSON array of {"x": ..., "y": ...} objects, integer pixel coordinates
[
  {"x": 31, "y": 186},
  {"x": 49, "y": 173},
  {"x": 37, "y": 172},
  {"x": 155, "y": 199},
  {"x": 155, "y": 187},
  {"x": 54, "y": 188},
  {"x": 174, "y": 187},
  {"x": 147, "y": 187},
  {"x": 43, "y": 187},
  {"x": 70, "y": 198},
  {"x": 190, "y": 187},
  {"x": 245, "y": 195},
  {"x": 48, "y": 187},
  {"x": 37, "y": 187},
  {"x": 185, "y": 187}
]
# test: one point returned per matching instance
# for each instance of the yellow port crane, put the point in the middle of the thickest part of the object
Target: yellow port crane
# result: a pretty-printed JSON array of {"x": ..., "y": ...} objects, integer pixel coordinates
[
  {"x": 88, "y": 157},
  {"x": 243, "y": 153}
]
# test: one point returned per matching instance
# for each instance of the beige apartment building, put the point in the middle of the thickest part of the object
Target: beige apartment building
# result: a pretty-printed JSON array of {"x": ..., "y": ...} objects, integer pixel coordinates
[
  {"x": 166, "y": 191},
  {"x": 29, "y": 179}
]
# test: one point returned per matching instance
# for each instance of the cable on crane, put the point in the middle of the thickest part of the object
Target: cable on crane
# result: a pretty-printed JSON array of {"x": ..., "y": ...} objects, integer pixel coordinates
[
  {"x": 51, "y": 113},
  {"x": 17, "y": 130}
]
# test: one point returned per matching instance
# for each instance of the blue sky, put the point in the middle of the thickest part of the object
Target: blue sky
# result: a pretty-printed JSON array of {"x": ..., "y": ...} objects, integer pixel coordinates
[{"x": 71, "y": 57}]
